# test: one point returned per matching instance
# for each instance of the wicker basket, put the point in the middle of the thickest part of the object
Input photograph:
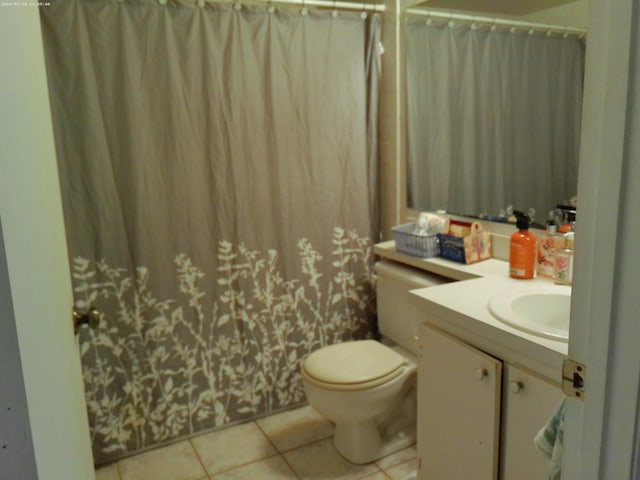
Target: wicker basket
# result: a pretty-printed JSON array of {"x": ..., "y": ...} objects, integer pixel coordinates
[{"x": 417, "y": 245}]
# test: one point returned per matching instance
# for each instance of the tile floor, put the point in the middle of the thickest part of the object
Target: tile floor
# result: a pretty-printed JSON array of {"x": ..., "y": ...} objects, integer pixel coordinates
[{"x": 294, "y": 445}]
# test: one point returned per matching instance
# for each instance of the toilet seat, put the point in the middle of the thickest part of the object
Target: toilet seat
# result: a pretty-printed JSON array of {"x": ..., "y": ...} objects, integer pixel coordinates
[{"x": 356, "y": 365}]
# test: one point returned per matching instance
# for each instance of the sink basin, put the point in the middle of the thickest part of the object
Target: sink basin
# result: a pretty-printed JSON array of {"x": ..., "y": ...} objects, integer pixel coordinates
[{"x": 544, "y": 312}]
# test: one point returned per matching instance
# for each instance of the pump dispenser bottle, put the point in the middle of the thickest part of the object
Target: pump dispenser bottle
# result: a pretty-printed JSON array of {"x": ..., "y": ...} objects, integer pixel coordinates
[
  {"x": 548, "y": 244},
  {"x": 522, "y": 249},
  {"x": 563, "y": 272}
]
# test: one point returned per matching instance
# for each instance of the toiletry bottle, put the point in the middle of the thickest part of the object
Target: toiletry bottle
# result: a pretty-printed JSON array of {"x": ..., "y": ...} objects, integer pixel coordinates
[
  {"x": 568, "y": 215},
  {"x": 563, "y": 271},
  {"x": 522, "y": 250},
  {"x": 548, "y": 244}
]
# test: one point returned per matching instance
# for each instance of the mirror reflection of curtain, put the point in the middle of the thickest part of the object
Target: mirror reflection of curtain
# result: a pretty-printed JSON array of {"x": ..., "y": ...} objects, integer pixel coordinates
[
  {"x": 493, "y": 117},
  {"x": 217, "y": 178}
]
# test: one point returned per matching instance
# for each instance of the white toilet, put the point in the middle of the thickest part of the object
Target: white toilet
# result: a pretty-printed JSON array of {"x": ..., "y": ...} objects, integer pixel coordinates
[{"x": 367, "y": 388}]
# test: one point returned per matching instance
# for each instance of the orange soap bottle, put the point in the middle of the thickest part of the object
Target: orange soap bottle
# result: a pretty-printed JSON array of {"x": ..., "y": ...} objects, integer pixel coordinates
[{"x": 522, "y": 250}]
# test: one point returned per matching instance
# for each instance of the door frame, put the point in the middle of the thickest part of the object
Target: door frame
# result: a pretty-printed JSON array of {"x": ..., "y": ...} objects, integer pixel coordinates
[
  {"x": 601, "y": 432},
  {"x": 37, "y": 264}
]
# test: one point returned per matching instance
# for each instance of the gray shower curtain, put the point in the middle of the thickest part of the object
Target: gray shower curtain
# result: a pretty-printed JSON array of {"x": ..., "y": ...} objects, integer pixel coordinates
[
  {"x": 218, "y": 169},
  {"x": 493, "y": 116}
]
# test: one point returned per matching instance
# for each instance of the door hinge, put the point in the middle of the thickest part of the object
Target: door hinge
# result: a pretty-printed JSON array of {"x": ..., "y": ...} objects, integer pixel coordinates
[{"x": 573, "y": 377}]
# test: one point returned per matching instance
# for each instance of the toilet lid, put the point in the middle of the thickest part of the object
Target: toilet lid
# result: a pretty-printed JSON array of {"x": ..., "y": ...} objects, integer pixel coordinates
[{"x": 354, "y": 362}]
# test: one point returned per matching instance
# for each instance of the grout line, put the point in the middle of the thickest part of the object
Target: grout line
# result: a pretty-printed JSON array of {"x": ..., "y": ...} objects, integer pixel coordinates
[
  {"x": 290, "y": 467},
  {"x": 118, "y": 470},
  {"x": 195, "y": 450},
  {"x": 245, "y": 464},
  {"x": 267, "y": 437},
  {"x": 212, "y": 474},
  {"x": 400, "y": 462},
  {"x": 286, "y": 450},
  {"x": 278, "y": 450},
  {"x": 311, "y": 442}
]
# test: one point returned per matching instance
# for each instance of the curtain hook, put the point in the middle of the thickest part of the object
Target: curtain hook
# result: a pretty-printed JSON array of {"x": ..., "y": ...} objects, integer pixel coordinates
[
  {"x": 237, "y": 6},
  {"x": 270, "y": 7},
  {"x": 334, "y": 12},
  {"x": 201, "y": 3},
  {"x": 493, "y": 27},
  {"x": 363, "y": 14},
  {"x": 303, "y": 10},
  {"x": 429, "y": 21}
]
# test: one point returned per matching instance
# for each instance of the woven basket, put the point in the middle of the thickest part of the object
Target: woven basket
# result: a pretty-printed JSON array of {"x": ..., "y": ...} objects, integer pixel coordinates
[{"x": 417, "y": 245}]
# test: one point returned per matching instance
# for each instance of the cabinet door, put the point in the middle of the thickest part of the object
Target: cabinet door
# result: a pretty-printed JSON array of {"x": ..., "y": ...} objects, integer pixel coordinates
[
  {"x": 529, "y": 402},
  {"x": 458, "y": 409}
]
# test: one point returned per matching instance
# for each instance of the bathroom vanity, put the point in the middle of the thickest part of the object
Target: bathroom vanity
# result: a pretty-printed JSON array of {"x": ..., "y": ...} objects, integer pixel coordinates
[{"x": 485, "y": 388}]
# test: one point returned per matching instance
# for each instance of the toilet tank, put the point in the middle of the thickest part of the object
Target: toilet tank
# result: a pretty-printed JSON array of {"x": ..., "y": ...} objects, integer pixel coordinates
[{"x": 398, "y": 317}]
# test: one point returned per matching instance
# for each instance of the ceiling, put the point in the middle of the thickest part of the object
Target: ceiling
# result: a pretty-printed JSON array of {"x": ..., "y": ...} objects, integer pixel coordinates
[{"x": 503, "y": 7}]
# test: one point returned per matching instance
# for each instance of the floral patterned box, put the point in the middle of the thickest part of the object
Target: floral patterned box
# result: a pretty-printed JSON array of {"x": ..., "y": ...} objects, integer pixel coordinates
[{"x": 470, "y": 249}]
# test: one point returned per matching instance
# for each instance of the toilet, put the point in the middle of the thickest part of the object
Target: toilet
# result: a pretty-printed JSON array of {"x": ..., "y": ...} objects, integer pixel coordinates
[{"x": 368, "y": 388}]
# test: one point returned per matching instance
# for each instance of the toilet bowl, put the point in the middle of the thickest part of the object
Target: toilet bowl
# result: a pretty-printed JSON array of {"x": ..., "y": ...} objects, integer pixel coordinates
[{"x": 366, "y": 388}]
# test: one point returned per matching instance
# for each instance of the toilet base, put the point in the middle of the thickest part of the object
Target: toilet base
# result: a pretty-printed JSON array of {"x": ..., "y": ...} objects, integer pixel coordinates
[{"x": 362, "y": 442}]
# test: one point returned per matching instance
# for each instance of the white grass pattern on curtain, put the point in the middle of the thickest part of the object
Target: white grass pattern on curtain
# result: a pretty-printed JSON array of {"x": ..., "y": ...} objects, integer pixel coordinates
[{"x": 193, "y": 372}]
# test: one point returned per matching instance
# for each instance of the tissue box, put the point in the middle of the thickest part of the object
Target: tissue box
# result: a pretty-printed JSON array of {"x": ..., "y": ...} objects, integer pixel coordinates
[
  {"x": 470, "y": 249},
  {"x": 417, "y": 245}
]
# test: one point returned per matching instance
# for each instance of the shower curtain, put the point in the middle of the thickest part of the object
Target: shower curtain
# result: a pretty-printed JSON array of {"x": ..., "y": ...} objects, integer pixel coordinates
[
  {"x": 218, "y": 169},
  {"x": 493, "y": 116}
]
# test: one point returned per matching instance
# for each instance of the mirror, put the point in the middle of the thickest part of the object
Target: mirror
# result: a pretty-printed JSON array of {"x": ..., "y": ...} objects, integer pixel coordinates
[{"x": 493, "y": 111}]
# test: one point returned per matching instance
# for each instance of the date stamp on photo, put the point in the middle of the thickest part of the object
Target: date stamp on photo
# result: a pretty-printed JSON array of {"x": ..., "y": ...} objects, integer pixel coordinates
[{"x": 24, "y": 4}]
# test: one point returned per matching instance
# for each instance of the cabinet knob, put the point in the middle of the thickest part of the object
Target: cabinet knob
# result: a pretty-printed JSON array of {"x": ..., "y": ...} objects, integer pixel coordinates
[
  {"x": 515, "y": 387},
  {"x": 481, "y": 373}
]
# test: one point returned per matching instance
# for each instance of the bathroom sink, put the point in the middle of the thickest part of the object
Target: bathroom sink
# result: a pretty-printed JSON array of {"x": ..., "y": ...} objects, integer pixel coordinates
[{"x": 542, "y": 312}]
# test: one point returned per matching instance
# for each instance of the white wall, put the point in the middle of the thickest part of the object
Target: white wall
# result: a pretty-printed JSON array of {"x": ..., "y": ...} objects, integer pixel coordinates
[{"x": 575, "y": 14}]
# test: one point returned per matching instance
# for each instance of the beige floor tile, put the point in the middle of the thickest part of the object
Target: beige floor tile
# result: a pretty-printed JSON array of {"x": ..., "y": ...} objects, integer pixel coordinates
[
  {"x": 232, "y": 447},
  {"x": 295, "y": 428},
  {"x": 175, "y": 462},
  {"x": 397, "y": 458},
  {"x": 273, "y": 468},
  {"x": 110, "y": 472},
  {"x": 376, "y": 476},
  {"x": 321, "y": 461},
  {"x": 402, "y": 471}
]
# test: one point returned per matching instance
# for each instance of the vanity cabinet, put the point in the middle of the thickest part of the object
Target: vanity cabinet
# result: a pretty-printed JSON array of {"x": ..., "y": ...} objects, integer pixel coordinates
[
  {"x": 477, "y": 416},
  {"x": 458, "y": 409},
  {"x": 528, "y": 403}
]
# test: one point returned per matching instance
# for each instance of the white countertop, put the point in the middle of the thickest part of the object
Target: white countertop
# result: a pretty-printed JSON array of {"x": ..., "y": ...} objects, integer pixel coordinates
[
  {"x": 461, "y": 308},
  {"x": 442, "y": 266}
]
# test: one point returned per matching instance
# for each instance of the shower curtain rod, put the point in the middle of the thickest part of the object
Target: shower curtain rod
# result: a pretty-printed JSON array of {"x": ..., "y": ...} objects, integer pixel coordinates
[
  {"x": 496, "y": 21},
  {"x": 337, "y": 5}
]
